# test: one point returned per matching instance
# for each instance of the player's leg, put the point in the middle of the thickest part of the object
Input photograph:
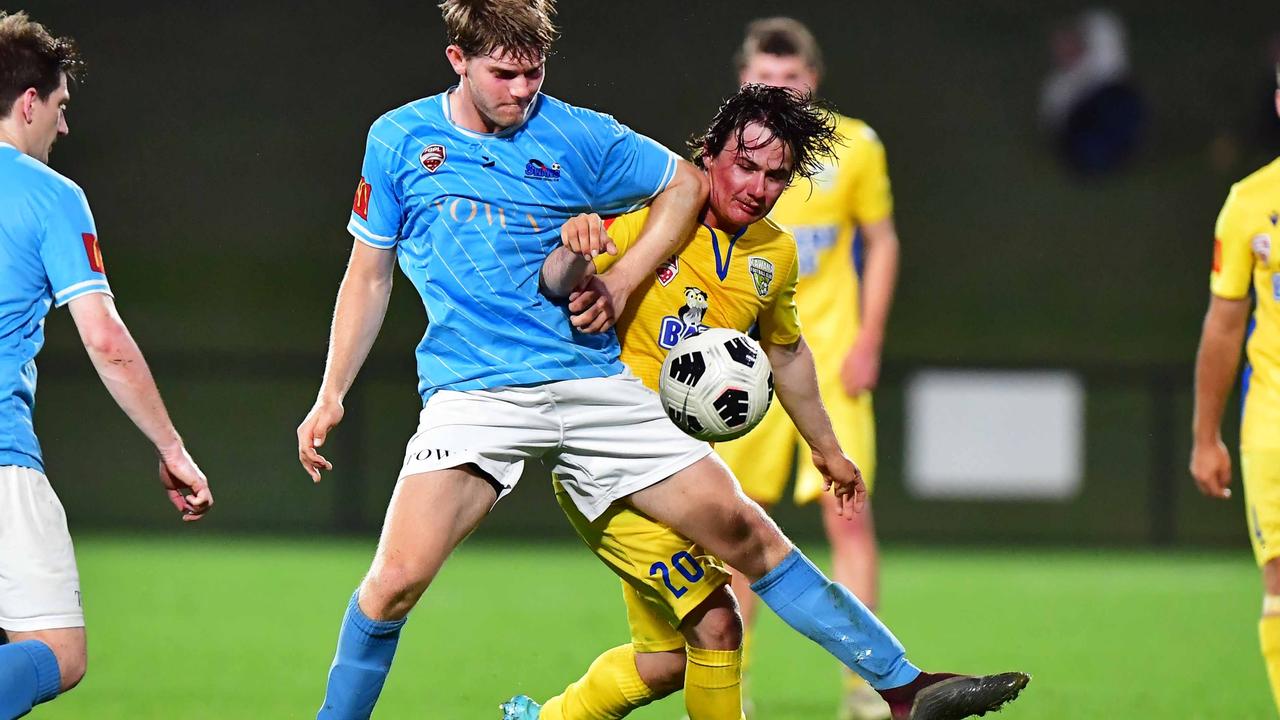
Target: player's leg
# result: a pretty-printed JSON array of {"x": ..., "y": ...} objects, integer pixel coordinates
[
  {"x": 468, "y": 452},
  {"x": 762, "y": 462},
  {"x": 1261, "y": 473},
  {"x": 854, "y": 553},
  {"x": 429, "y": 514},
  {"x": 704, "y": 503},
  {"x": 39, "y": 595},
  {"x": 665, "y": 584}
]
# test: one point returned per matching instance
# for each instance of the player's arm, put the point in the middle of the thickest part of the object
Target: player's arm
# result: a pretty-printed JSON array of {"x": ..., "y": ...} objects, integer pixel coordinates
[
  {"x": 124, "y": 372},
  {"x": 861, "y": 370},
  {"x": 673, "y": 214},
  {"x": 582, "y": 239},
  {"x": 357, "y": 317},
  {"x": 1216, "y": 361},
  {"x": 795, "y": 381}
]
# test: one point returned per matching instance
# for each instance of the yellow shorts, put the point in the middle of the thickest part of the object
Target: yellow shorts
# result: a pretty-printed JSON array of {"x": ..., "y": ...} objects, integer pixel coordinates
[
  {"x": 763, "y": 460},
  {"x": 1261, "y": 471},
  {"x": 664, "y": 576}
]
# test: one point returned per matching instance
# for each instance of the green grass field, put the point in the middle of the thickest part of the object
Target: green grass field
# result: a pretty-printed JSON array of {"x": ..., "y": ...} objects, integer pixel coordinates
[{"x": 218, "y": 628}]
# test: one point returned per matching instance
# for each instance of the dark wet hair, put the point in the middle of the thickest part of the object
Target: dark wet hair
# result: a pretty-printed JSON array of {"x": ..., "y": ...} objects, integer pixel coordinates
[
  {"x": 806, "y": 125},
  {"x": 32, "y": 58}
]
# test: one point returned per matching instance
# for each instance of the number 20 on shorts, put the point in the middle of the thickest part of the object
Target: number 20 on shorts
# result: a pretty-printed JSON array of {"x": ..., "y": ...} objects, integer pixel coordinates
[{"x": 685, "y": 564}]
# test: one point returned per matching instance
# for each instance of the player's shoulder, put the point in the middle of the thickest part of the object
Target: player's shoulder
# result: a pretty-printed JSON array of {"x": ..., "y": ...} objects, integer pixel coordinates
[
  {"x": 410, "y": 117},
  {"x": 771, "y": 238},
  {"x": 1263, "y": 181},
  {"x": 575, "y": 122},
  {"x": 25, "y": 172},
  {"x": 856, "y": 132}
]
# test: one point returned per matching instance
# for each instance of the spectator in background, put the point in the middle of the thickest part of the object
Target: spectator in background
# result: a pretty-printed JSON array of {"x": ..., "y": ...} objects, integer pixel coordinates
[{"x": 1089, "y": 103}]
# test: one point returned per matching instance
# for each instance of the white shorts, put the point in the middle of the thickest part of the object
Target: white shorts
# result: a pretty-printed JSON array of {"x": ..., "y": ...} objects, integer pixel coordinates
[
  {"x": 39, "y": 583},
  {"x": 605, "y": 438}
]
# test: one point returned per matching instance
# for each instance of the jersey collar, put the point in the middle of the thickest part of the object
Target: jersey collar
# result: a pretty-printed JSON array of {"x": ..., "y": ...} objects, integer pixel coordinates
[{"x": 506, "y": 132}]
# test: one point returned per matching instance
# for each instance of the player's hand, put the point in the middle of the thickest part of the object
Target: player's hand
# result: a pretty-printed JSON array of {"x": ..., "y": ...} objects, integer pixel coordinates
[
  {"x": 186, "y": 485},
  {"x": 861, "y": 369},
  {"x": 585, "y": 235},
  {"x": 1211, "y": 468},
  {"x": 324, "y": 415},
  {"x": 843, "y": 477},
  {"x": 597, "y": 303}
]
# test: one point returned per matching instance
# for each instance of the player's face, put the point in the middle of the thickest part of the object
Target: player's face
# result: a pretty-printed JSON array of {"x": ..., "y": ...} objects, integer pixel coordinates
[
  {"x": 48, "y": 121},
  {"x": 787, "y": 71},
  {"x": 501, "y": 86},
  {"x": 747, "y": 179}
]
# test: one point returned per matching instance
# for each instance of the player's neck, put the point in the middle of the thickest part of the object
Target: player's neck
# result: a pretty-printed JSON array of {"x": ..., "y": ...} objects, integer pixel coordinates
[
  {"x": 715, "y": 222},
  {"x": 463, "y": 112},
  {"x": 8, "y": 137}
]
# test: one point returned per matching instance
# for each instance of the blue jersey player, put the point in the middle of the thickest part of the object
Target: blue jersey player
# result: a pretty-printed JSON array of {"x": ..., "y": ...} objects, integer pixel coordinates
[
  {"x": 49, "y": 255},
  {"x": 468, "y": 190}
]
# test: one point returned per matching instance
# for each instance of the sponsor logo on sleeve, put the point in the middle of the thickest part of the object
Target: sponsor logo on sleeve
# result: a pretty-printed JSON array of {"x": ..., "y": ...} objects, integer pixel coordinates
[
  {"x": 432, "y": 157},
  {"x": 1261, "y": 246},
  {"x": 361, "y": 203},
  {"x": 94, "y": 252},
  {"x": 761, "y": 274},
  {"x": 1275, "y": 286},
  {"x": 668, "y": 270},
  {"x": 1217, "y": 255}
]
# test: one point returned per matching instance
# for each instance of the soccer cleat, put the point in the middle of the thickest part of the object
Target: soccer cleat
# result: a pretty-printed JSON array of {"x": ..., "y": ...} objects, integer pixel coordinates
[
  {"x": 520, "y": 707},
  {"x": 952, "y": 697},
  {"x": 863, "y": 703}
]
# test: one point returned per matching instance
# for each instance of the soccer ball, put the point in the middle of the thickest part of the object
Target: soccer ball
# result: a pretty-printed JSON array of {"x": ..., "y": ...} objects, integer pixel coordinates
[{"x": 716, "y": 385}]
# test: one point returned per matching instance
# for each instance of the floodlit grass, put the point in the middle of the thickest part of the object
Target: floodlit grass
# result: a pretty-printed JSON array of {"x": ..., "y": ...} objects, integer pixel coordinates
[{"x": 221, "y": 628}]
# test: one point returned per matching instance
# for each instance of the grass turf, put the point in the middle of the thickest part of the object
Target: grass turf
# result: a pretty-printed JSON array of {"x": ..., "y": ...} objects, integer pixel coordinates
[{"x": 219, "y": 628}]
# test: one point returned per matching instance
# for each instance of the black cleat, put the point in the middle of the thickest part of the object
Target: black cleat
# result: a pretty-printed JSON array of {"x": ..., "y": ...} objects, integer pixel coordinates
[{"x": 966, "y": 696}]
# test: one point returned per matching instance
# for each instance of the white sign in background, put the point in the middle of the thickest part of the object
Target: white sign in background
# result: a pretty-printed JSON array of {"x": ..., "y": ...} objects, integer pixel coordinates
[{"x": 994, "y": 435}]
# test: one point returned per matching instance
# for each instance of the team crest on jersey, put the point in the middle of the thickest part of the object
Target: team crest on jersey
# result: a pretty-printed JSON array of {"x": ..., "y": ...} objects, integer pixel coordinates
[
  {"x": 687, "y": 321},
  {"x": 1261, "y": 246},
  {"x": 668, "y": 270},
  {"x": 761, "y": 274},
  {"x": 538, "y": 170},
  {"x": 432, "y": 157}
]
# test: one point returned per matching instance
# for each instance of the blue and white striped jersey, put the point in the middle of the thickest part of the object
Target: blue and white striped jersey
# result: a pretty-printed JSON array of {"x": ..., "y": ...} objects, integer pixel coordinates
[
  {"x": 472, "y": 217},
  {"x": 48, "y": 254}
]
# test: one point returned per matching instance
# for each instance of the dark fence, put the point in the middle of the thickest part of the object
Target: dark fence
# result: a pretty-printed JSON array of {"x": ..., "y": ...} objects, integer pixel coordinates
[{"x": 239, "y": 411}]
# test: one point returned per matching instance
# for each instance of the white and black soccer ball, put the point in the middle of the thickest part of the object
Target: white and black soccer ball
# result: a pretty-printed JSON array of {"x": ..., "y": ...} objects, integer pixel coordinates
[{"x": 716, "y": 385}]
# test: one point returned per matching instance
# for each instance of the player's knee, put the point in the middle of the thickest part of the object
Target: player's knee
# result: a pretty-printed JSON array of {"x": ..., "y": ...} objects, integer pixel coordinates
[
  {"x": 391, "y": 590},
  {"x": 719, "y": 629},
  {"x": 72, "y": 669},
  {"x": 1271, "y": 576},
  {"x": 716, "y": 624},
  {"x": 661, "y": 672}
]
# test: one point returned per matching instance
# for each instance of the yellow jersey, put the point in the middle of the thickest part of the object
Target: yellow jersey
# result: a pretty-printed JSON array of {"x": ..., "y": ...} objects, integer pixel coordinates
[
  {"x": 713, "y": 280},
  {"x": 824, "y": 215},
  {"x": 1246, "y": 257}
]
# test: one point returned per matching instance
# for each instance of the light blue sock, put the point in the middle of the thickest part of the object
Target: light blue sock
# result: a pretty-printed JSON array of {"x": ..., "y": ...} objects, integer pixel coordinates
[
  {"x": 360, "y": 667},
  {"x": 29, "y": 675},
  {"x": 830, "y": 615}
]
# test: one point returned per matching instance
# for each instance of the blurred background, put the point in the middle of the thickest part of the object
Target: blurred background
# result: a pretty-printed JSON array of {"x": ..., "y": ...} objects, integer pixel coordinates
[{"x": 220, "y": 143}]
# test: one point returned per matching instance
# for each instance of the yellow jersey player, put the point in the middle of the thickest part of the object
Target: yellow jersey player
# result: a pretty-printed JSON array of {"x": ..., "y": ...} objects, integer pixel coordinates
[
  {"x": 1246, "y": 262},
  {"x": 738, "y": 270},
  {"x": 848, "y": 248}
]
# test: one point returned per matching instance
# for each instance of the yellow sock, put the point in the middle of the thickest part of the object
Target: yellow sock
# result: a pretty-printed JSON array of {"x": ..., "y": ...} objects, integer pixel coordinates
[
  {"x": 1269, "y": 632},
  {"x": 611, "y": 688},
  {"x": 713, "y": 684}
]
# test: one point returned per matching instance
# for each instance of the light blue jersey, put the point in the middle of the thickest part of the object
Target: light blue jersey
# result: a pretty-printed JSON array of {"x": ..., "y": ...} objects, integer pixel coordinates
[
  {"x": 472, "y": 217},
  {"x": 48, "y": 255}
]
